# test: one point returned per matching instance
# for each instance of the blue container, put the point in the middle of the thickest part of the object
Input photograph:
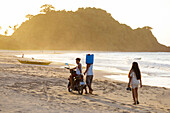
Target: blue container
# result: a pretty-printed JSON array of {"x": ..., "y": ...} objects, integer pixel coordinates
[{"x": 89, "y": 58}]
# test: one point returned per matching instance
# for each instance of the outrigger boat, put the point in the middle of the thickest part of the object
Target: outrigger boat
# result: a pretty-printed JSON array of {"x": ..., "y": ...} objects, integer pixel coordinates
[{"x": 32, "y": 61}]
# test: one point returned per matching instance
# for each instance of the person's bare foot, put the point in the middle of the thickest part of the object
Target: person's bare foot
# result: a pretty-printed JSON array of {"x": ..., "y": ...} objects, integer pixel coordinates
[
  {"x": 91, "y": 91},
  {"x": 134, "y": 103}
]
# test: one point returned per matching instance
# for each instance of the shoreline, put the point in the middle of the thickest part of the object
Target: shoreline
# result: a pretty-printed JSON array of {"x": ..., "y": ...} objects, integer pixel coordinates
[
  {"x": 43, "y": 89},
  {"x": 107, "y": 74},
  {"x": 59, "y": 64}
]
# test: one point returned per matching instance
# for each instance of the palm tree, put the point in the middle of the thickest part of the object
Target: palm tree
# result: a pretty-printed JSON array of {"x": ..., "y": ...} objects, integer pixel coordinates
[
  {"x": 29, "y": 16},
  {"x": 15, "y": 27},
  {"x": 6, "y": 32},
  {"x": 47, "y": 8},
  {"x": 147, "y": 27}
]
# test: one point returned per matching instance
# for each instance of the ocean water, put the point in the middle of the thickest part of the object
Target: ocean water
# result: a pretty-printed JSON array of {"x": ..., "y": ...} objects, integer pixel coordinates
[{"x": 154, "y": 66}]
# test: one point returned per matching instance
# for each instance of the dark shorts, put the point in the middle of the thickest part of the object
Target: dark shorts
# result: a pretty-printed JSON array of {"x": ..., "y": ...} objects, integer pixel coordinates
[
  {"x": 89, "y": 79},
  {"x": 74, "y": 75}
]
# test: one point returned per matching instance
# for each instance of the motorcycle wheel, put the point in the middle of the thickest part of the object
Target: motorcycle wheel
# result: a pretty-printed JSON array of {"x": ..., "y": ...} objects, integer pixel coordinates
[
  {"x": 69, "y": 85},
  {"x": 80, "y": 90}
]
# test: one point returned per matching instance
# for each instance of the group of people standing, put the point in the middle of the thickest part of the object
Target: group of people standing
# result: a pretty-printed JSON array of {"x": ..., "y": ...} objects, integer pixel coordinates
[
  {"x": 134, "y": 78},
  {"x": 88, "y": 72}
]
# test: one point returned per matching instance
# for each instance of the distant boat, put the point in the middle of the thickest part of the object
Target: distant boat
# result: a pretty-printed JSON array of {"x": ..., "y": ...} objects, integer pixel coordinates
[
  {"x": 32, "y": 61},
  {"x": 137, "y": 58}
]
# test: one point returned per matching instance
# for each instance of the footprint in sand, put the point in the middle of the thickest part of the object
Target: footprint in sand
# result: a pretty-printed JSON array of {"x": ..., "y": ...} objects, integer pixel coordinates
[
  {"x": 113, "y": 102},
  {"x": 51, "y": 98},
  {"x": 125, "y": 112},
  {"x": 123, "y": 104},
  {"x": 59, "y": 95},
  {"x": 95, "y": 94},
  {"x": 94, "y": 100},
  {"x": 83, "y": 101}
]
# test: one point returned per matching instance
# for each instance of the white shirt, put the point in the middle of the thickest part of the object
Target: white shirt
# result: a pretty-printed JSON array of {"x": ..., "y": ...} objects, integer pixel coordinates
[
  {"x": 78, "y": 71},
  {"x": 90, "y": 70},
  {"x": 134, "y": 79}
]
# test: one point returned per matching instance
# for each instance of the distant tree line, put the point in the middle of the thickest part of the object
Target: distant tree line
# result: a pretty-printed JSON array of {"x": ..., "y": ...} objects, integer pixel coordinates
[
  {"x": 14, "y": 28},
  {"x": 45, "y": 9}
]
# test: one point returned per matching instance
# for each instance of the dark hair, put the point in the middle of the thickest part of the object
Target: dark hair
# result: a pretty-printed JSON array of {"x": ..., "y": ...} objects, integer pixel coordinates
[
  {"x": 136, "y": 69},
  {"x": 78, "y": 59}
]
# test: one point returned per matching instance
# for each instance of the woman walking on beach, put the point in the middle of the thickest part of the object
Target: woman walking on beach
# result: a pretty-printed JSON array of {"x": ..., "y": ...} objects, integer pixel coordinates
[{"x": 134, "y": 80}]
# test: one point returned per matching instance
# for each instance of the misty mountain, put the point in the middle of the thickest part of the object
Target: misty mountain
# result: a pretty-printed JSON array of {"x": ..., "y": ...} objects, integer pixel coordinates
[{"x": 85, "y": 29}]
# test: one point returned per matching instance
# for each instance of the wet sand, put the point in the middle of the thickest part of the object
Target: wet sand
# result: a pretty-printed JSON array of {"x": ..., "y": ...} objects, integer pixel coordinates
[{"x": 43, "y": 89}]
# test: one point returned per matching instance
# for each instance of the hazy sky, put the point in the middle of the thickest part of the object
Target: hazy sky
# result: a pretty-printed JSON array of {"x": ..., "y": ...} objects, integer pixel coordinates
[{"x": 135, "y": 13}]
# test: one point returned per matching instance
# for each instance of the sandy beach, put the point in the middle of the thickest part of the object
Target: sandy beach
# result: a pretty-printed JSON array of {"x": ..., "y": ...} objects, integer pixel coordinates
[{"x": 43, "y": 89}]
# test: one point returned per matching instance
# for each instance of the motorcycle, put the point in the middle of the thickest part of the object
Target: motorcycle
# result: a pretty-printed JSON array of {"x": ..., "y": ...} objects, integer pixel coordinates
[{"x": 77, "y": 80}]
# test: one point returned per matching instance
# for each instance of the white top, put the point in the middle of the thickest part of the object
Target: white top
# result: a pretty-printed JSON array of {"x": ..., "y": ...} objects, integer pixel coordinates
[
  {"x": 134, "y": 79},
  {"x": 90, "y": 70},
  {"x": 78, "y": 71}
]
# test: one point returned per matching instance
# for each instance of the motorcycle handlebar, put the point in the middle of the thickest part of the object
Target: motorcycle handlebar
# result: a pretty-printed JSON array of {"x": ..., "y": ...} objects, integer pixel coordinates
[{"x": 67, "y": 67}]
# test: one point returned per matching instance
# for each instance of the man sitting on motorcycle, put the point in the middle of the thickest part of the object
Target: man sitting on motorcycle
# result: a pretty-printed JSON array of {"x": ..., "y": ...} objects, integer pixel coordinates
[{"x": 78, "y": 72}]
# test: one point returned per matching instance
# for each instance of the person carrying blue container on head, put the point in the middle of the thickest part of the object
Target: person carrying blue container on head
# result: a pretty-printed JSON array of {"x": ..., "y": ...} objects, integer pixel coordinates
[{"x": 89, "y": 71}]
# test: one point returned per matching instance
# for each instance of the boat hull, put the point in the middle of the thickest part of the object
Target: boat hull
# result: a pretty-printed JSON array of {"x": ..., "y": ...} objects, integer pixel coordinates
[{"x": 34, "y": 62}]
